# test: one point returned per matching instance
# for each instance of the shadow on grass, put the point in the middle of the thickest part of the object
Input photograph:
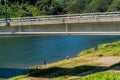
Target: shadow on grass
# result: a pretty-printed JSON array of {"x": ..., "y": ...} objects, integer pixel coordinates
[
  {"x": 115, "y": 66},
  {"x": 79, "y": 71},
  {"x": 57, "y": 71},
  {"x": 54, "y": 72},
  {"x": 6, "y": 73}
]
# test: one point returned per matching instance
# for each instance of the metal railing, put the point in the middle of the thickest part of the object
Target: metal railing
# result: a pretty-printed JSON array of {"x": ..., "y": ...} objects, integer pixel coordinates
[{"x": 62, "y": 17}]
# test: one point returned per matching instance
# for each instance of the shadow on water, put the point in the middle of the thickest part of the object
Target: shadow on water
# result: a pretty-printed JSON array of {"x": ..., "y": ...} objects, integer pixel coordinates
[{"x": 6, "y": 73}]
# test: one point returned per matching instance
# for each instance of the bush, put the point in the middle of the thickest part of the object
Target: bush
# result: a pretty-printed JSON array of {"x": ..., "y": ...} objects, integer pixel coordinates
[
  {"x": 115, "y": 6},
  {"x": 76, "y": 6},
  {"x": 26, "y": 14},
  {"x": 98, "y": 6}
]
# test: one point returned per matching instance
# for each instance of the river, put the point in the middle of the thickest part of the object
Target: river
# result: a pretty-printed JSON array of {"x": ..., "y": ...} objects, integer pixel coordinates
[{"x": 19, "y": 53}]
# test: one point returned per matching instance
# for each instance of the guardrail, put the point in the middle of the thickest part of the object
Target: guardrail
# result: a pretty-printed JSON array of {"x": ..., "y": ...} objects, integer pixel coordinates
[
  {"x": 66, "y": 16},
  {"x": 61, "y": 17}
]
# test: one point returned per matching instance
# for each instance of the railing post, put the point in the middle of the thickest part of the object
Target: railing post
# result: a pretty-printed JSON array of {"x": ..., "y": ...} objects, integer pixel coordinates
[{"x": 66, "y": 30}]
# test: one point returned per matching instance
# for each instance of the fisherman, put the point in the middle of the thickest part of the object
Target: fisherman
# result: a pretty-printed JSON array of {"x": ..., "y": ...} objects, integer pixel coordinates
[
  {"x": 45, "y": 62},
  {"x": 67, "y": 57}
]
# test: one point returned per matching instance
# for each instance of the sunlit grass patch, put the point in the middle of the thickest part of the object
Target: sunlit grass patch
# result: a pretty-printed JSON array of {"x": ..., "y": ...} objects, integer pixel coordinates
[
  {"x": 18, "y": 77},
  {"x": 102, "y": 76},
  {"x": 109, "y": 49}
]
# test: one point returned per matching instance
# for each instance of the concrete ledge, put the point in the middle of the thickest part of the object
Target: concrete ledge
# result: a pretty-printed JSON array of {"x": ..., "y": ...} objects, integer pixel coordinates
[{"x": 59, "y": 33}]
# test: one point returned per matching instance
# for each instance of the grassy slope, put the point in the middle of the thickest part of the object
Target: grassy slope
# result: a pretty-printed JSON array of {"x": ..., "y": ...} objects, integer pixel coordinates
[
  {"x": 110, "y": 49},
  {"x": 84, "y": 62},
  {"x": 105, "y": 75},
  {"x": 102, "y": 76}
]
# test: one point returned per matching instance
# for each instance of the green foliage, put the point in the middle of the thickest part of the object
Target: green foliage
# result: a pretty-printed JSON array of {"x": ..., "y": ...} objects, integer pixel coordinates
[
  {"x": 55, "y": 8},
  {"x": 18, "y": 8},
  {"x": 76, "y": 6},
  {"x": 60, "y": 1},
  {"x": 26, "y": 14},
  {"x": 98, "y": 6},
  {"x": 49, "y": 7},
  {"x": 1, "y": 11},
  {"x": 115, "y": 6}
]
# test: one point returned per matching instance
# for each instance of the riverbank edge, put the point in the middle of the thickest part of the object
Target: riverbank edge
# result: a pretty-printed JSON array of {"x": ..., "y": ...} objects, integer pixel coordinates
[{"x": 81, "y": 54}]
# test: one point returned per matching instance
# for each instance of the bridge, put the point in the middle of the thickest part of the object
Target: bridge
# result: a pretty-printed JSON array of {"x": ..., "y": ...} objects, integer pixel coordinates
[{"x": 106, "y": 23}]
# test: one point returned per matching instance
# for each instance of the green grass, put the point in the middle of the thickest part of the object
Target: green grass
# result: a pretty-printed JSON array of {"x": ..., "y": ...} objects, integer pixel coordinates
[
  {"x": 18, "y": 77},
  {"x": 61, "y": 73},
  {"x": 58, "y": 72},
  {"x": 109, "y": 49},
  {"x": 73, "y": 71},
  {"x": 102, "y": 76},
  {"x": 64, "y": 71}
]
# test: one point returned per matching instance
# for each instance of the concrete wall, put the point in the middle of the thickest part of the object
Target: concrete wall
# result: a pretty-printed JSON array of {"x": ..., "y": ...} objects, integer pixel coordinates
[{"x": 88, "y": 27}]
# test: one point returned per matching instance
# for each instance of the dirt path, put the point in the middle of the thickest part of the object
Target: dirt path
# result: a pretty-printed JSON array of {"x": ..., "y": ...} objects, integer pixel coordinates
[
  {"x": 108, "y": 61},
  {"x": 105, "y": 62}
]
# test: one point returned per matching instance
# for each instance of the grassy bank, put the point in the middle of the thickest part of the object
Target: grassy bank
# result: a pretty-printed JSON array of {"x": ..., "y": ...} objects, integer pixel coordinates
[
  {"x": 93, "y": 64},
  {"x": 110, "y": 49},
  {"x": 102, "y": 76}
]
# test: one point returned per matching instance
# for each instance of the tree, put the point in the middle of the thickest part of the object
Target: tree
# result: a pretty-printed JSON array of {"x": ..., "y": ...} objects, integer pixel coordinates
[
  {"x": 44, "y": 5},
  {"x": 31, "y": 2},
  {"x": 1, "y": 11},
  {"x": 55, "y": 8},
  {"x": 98, "y": 6},
  {"x": 115, "y": 6},
  {"x": 26, "y": 14},
  {"x": 76, "y": 6},
  {"x": 50, "y": 7}
]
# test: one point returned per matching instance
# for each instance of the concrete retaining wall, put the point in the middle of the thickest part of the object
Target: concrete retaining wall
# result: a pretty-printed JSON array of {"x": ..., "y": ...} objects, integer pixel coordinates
[{"x": 88, "y": 27}]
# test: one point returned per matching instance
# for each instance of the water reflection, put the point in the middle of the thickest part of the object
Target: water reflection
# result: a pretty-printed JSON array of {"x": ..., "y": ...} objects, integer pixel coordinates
[{"x": 11, "y": 72}]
